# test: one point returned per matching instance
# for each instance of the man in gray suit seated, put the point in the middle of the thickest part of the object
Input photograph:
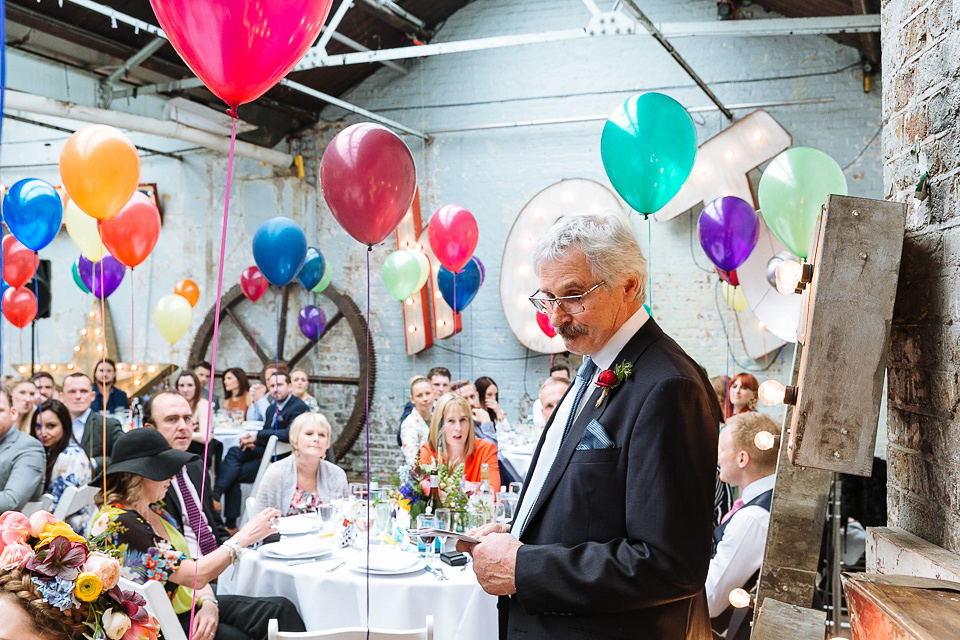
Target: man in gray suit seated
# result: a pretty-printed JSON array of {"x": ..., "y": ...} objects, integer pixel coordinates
[
  {"x": 21, "y": 461},
  {"x": 88, "y": 425}
]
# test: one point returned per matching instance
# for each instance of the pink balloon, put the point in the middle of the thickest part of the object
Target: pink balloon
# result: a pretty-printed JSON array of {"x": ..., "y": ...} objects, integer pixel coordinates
[
  {"x": 543, "y": 321},
  {"x": 368, "y": 180},
  {"x": 453, "y": 236},
  {"x": 240, "y": 49}
]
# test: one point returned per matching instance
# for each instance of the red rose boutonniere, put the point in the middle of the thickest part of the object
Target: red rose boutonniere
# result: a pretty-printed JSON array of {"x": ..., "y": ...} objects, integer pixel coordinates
[{"x": 612, "y": 378}]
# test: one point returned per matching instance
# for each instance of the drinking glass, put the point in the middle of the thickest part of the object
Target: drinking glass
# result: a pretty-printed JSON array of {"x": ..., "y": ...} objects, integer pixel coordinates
[
  {"x": 443, "y": 522},
  {"x": 325, "y": 511},
  {"x": 384, "y": 509},
  {"x": 425, "y": 544}
]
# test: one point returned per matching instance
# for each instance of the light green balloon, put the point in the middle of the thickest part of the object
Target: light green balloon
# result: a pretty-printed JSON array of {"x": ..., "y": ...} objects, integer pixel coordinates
[
  {"x": 325, "y": 279},
  {"x": 401, "y": 274},
  {"x": 793, "y": 188},
  {"x": 424, "y": 263}
]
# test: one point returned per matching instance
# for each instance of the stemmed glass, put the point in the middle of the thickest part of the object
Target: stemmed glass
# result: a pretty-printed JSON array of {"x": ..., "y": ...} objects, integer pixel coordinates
[
  {"x": 443, "y": 522},
  {"x": 426, "y": 521},
  {"x": 384, "y": 509}
]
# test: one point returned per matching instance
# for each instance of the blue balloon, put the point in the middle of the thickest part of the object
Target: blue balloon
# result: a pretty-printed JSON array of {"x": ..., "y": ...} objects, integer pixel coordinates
[
  {"x": 465, "y": 285},
  {"x": 312, "y": 270},
  {"x": 279, "y": 248},
  {"x": 33, "y": 212}
]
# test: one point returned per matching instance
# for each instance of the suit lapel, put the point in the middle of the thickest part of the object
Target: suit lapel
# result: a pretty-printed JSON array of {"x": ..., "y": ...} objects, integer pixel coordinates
[{"x": 634, "y": 348}]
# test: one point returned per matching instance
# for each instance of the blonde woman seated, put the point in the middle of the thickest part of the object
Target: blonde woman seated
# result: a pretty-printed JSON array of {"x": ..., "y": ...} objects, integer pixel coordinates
[
  {"x": 453, "y": 419},
  {"x": 414, "y": 429},
  {"x": 298, "y": 483}
]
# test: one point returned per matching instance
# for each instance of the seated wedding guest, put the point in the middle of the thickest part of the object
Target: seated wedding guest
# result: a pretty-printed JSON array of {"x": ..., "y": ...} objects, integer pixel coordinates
[
  {"x": 299, "y": 383},
  {"x": 88, "y": 426},
  {"x": 236, "y": 390},
  {"x": 46, "y": 385},
  {"x": 740, "y": 538},
  {"x": 203, "y": 370},
  {"x": 485, "y": 427},
  {"x": 300, "y": 482},
  {"x": 489, "y": 396},
  {"x": 67, "y": 464},
  {"x": 559, "y": 372},
  {"x": 188, "y": 386},
  {"x": 170, "y": 414},
  {"x": 741, "y": 395},
  {"x": 551, "y": 393},
  {"x": 259, "y": 404},
  {"x": 24, "y": 394},
  {"x": 241, "y": 463},
  {"x": 452, "y": 414},
  {"x": 105, "y": 373},
  {"x": 414, "y": 429},
  {"x": 152, "y": 548},
  {"x": 21, "y": 461},
  {"x": 440, "y": 378}
]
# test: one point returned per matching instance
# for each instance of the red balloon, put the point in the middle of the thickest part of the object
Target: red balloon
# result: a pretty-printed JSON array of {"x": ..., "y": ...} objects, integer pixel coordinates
[
  {"x": 368, "y": 180},
  {"x": 240, "y": 49},
  {"x": 253, "y": 283},
  {"x": 453, "y": 236},
  {"x": 730, "y": 277},
  {"x": 132, "y": 233},
  {"x": 19, "y": 263},
  {"x": 544, "y": 321},
  {"x": 19, "y": 306}
]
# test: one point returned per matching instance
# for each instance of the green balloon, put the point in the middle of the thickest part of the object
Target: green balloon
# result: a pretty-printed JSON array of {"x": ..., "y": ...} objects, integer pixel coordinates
[
  {"x": 325, "y": 279},
  {"x": 77, "y": 279},
  {"x": 793, "y": 188},
  {"x": 647, "y": 147},
  {"x": 401, "y": 273}
]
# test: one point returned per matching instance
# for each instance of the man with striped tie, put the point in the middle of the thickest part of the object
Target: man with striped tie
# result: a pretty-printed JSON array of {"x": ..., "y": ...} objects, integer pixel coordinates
[
  {"x": 170, "y": 414},
  {"x": 611, "y": 536}
]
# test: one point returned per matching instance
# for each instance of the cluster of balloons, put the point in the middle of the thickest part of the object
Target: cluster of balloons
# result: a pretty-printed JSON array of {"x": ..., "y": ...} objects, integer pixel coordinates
[{"x": 32, "y": 210}]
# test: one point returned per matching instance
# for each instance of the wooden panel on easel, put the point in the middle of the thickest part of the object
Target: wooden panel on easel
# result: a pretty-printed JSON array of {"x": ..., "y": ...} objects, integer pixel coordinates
[
  {"x": 781, "y": 621},
  {"x": 846, "y": 336}
]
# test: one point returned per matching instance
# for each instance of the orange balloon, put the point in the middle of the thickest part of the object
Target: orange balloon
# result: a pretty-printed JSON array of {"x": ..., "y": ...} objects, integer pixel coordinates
[
  {"x": 100, "y": 170},
  {"x": 188, "y": 289}
]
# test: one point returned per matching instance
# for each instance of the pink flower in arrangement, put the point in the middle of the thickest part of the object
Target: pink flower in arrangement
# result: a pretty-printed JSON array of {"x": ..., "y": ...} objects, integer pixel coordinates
[
  {"x": 104, "y": 567},
  {"x": 14, "y": 528},
  {"x": 39, "y": 520},
  {"x": 15, "y": 556}
]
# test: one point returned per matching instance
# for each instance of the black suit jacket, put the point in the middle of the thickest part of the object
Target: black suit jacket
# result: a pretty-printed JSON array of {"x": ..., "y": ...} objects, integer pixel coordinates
[
  {"x": 293, "y": 407},
  {"x": 172, "y": 503},
  {"x": 92, "y": 439},
  {"x": 618, "y": 542}
]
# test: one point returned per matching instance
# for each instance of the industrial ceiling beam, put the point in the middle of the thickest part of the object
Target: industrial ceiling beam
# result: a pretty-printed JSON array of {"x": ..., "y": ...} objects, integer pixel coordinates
[
  {"x": 397, "y": 17},
  {"x": 105, "y": 90}
]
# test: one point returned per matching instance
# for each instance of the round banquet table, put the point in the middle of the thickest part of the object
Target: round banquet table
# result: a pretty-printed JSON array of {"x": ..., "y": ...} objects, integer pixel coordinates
[{"x": 331, "y": 599}]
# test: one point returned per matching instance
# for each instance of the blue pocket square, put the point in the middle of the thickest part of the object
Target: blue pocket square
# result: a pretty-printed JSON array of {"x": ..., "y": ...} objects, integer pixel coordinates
[{"x": 595, "y": 437}]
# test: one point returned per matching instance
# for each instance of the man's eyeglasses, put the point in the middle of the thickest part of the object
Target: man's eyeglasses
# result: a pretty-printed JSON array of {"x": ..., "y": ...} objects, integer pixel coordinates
[{"x": 568, "y": 304}]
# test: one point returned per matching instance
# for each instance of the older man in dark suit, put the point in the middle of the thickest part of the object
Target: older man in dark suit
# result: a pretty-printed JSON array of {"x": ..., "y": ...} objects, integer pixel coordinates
[
  {"x": 89, "y": 426},
  {"x": 612, "y": 533}
]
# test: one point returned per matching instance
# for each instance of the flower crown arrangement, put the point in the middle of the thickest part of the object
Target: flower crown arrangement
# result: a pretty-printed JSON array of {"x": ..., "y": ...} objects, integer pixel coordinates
[{"x": 47, "y": 557}]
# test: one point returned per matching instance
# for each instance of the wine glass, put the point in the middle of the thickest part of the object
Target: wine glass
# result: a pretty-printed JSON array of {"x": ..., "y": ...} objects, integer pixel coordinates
[
  {"x": 384, "y": 509},
  {"x": 443, "y": 522},
  {"x": 426, "y": 521}
]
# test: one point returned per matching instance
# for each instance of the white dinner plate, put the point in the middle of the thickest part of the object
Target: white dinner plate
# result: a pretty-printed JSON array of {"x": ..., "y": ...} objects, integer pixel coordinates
[
  {"x": 298, "y": 525},
  {"x": 386, "y": 562},
  {"x": 297, "y": 548}
]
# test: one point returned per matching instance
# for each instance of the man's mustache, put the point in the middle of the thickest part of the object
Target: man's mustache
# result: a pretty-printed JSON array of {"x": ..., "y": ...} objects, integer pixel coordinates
[{"x": 571, "y": 331}]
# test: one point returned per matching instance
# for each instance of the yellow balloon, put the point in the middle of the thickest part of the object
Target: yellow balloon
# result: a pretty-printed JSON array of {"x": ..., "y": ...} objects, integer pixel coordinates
[
  {"x": 424, "y": 263},
  {"x": 83, "y": 231},
  {"x": 172, "y": 316},
  {"x": 734, "y": 297}
]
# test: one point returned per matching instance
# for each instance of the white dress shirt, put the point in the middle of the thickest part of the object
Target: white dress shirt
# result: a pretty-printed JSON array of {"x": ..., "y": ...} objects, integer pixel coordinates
[
  {"x": 740, "y": 551},
  {"x": 79, "y": 424},
  {"x": 188, "y": 533}
]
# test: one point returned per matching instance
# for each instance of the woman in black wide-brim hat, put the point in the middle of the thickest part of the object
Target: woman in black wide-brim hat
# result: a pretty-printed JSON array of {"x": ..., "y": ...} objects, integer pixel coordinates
[{"x": 152, "y": 548}]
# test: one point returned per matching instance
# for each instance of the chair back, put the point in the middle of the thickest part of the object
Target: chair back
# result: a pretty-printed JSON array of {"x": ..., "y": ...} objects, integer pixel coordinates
[
  {"x": 74, "y": 499},
  {"x": 159, "y": 606},
  {"x": 352, "y": 633},
  {"x": 43, "y": 504}
]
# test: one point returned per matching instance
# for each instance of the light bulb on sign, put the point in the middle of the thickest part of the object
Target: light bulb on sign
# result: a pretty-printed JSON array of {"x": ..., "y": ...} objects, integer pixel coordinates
[
  {"x": 83, "y": 332},
  {"x": 77, "y": 349},
  {"x": 136, "y": 381},
  {"x": 53, "y": 367},
  {"x": 789, "y": 273},
  {"x": 96, "y": 332},
  {"x": 765, "y": 440},
  {"x": 100, "y": 348},
  {"x": 22, "y": 369},
  {"x": 151, "y": 369},
  {"x": 771, "y": 393},
  {"x": 739, "y": 598},
  {"x": 70, "y": 367},
  {"x": 133, "y": 367},
  {"x": 412, "y": 329}
]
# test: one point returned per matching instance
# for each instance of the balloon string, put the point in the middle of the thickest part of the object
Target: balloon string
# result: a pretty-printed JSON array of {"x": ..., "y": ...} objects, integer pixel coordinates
[
  {"x": 649, "y": 262},
  {"x": 103, "y": 355},
  {"x": 367, "y": 432},
  {"x": 213, "y": 355},
  {"x": 3, "y": 89},
  {"x": 459, "y": 354},
  {"x": 133, "y": 332},
  {"x": 36, "y": 336}
]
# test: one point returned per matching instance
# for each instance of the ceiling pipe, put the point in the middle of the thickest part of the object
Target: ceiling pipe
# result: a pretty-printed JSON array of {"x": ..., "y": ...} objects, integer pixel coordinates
[{"x": 30, "y": 103}]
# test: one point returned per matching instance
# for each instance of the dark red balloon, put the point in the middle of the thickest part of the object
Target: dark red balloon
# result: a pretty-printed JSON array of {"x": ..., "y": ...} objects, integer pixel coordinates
[
  {"x": 730, "y": 277},
  {"x": 19, "y": 263},
  {"x": 19, "y": 306},
  {"x": 253, "y": 283}
]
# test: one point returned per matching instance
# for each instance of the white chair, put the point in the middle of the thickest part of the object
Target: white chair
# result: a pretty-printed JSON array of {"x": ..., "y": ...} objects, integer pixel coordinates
[
  {"x": 159, "y": 606},
  {"x": 268, "y": 452},
  {"x": 74, "y": 499},
  {"x": 352, "y": 633},
  {"x": 43, "y": 504}
]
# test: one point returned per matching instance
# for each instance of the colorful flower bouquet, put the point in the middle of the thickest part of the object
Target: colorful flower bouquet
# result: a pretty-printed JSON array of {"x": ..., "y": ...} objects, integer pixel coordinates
[
  {"x": 72, "y": 576},
  {"x": 412, "y": 483}
]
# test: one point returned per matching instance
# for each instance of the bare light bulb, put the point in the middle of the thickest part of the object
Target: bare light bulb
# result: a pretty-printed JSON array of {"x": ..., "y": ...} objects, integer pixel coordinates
[
  {"x": 411, "y": 329},
  {"x": 765, "y": 440},
  {"x": 70, "y": 366},
  {"x": 151, "y": 369},
  {"x": 789, "y": 273},
  {"x": 739, "y": 598},
  {"x": 771, "y": 393},
  {"x": 22, "y": 369},
  {"x": 77, "y": 349}
]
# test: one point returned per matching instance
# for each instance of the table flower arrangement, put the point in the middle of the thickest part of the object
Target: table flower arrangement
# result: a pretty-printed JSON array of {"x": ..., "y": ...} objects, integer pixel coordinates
[
  {"x": 73, "y": 576},
  {"x": 412, "y": 483}
]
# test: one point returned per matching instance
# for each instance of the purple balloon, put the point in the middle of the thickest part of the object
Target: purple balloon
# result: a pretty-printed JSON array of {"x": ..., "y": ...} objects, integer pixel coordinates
[
  {"x": 483, "y": 270},
  {"x": 728, "y": 229},
  {"x": 312, "y": 322},
  {"x": 90, "y": 273}
]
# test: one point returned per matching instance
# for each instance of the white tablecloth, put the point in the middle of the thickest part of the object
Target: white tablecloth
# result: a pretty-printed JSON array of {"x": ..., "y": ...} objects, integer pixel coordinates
[
  {"x": 230, "y": 436},
  {"x": 327, "y": 600},
  {"x": 517, "y": 459}
]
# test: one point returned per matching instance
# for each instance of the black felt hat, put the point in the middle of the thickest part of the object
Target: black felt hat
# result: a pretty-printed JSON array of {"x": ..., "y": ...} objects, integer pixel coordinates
[{"x": 145, "y": 452}]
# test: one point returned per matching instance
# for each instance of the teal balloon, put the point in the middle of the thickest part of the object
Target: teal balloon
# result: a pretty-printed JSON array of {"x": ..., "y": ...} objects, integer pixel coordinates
[
  {"x": 401, "y": 274},
  {"x": 325, "y": 280},
  {"x": 312, "y": 270},
  {"x": 77, "y": 279},
  {"x": 793, "y": 188},
  {"x": 648, "y": 146}
]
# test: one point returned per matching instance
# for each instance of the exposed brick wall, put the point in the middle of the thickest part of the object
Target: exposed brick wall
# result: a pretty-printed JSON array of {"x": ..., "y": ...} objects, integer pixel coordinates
[{"x": 921, "y": 42}]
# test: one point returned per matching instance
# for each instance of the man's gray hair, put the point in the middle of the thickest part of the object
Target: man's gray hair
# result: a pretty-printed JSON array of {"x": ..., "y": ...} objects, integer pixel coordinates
[{"x": 607, "y": 243}]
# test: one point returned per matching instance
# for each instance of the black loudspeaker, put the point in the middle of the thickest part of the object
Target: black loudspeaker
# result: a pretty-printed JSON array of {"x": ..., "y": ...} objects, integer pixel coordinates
[{"x": 40, "y": 286}]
